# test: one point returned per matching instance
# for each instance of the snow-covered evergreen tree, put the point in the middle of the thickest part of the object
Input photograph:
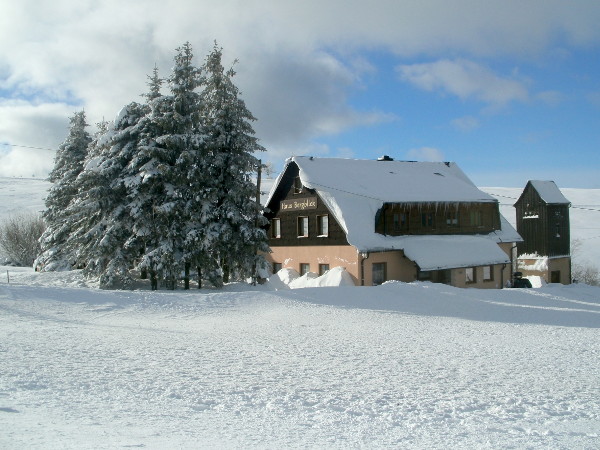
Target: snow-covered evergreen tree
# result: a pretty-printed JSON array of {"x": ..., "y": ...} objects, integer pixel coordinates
[
  {"x": 104, "y": 223},
  {"x": 68, "y": 164},
  {"x": 233, "y": 222},
  {"x": 169, "y": 149}
]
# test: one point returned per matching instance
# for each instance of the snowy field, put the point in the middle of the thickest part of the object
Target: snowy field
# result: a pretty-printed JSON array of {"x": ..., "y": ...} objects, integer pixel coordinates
[{"x": 395, "y": 366}]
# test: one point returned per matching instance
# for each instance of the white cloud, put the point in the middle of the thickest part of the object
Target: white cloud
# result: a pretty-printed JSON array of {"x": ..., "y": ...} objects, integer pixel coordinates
[
  {"x": 425, "y": 154},
  {"x": 465, "y": 79},
  {"x": 25, "y": 162},
  {"x": 467, "y": 123},
  {"x": 96, "y": 54}
]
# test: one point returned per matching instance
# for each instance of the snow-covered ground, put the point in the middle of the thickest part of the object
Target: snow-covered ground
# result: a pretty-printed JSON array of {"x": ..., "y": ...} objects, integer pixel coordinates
[
  {"x": 22, "y": 195},
  {"x": 394, "y": 366}
]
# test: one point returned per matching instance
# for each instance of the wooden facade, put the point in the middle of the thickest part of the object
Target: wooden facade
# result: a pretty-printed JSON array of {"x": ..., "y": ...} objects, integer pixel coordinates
[
  {"x": 297, "y": 203},
  {"x": 544, "y": 226},
  {"x": 396, "y": 219}
]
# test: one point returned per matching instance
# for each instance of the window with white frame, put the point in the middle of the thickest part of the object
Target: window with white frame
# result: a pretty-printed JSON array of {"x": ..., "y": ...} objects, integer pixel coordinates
[
  {"x": 470, "y": 275},
  {"x": 302, "y": 226},
  {"x": 323, "y": 268},
  {"x": 304, "y": 268},
  {"x": 379, "y": 273},
  {"x": 323, "y": 226},
  {"x": 275, "y": 228},
  {"x": 488, "y": 273}
]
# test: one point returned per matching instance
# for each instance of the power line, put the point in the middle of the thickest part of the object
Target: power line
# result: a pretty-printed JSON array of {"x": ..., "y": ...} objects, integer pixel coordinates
[{"x": 28, "y": 146}]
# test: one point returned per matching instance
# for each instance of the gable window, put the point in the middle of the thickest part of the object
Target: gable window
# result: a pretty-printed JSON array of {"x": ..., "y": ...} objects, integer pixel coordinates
[
  {"x": 488, "y": 273},
  {"x": 323, "y": 268},
  {"x": 304, "y": 268},
  {"x": 323, "y": 226},
  {"x": 275, "y": 228},
  {"x": 470, "y": 275},
  {"x": 302, "y": 226},
  {"x": 476, "y": 218},
  {"x": 379, "y": 273},
  {"x": 297, "y": 185}
]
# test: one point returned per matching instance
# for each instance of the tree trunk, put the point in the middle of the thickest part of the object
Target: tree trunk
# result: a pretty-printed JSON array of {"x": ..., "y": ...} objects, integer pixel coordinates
[
  {"x": 186, "y": 279},
  {"x": 199, "y": 277},
  {"x": 153, "y": 281}
]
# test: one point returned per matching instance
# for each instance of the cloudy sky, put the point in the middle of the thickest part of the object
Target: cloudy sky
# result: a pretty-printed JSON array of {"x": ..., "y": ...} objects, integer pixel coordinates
[{"x": 510, "y": 90}]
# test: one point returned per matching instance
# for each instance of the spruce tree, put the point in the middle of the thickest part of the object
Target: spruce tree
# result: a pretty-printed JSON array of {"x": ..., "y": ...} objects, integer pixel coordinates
[
  {"x": 104, "y": 222},
  {"x": 170, "y": 146},
  {"x": 233, "y": 223},
  {"x": 68, "y": 164}
]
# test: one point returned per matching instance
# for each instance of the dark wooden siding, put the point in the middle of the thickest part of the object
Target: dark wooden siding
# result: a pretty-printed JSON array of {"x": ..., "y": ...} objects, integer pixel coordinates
[
  {"x": 438, "y": 218},
  {"x": 544, "y": 228},
  {"x": 289, "y": 219}
]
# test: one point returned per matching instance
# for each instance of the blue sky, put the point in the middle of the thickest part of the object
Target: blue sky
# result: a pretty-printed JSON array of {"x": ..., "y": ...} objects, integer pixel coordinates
[{"x": 509, "y": 90}]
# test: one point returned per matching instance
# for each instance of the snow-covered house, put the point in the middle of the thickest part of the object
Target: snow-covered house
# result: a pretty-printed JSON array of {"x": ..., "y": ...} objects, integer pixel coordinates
[
  {"x": 543, "y": 222},
  {"x": 388, "y": 220}
]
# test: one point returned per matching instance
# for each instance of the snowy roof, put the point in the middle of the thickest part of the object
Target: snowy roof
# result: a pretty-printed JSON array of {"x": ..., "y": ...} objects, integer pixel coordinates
[
  {"x": 549, "y": 191},
  {"x": 446, "y": 252},
  {"x": 354, "y": 190},
  {"x": 390, "y": 181}
]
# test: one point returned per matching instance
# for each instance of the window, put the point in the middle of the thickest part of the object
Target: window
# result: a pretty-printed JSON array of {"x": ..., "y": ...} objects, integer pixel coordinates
[
  {"x": 304, "y": 268},
  {"x": 277, "y": 267},
  {"x": 470, "y": 275},
  {"x": 428, "y": 219},
  {"x": 275, "y": 228},
  {"x": 488, "y": 273},
  {"x": 476, "y": 219},
  {"x": 302, "y": 226},
  {"x": 452, "y": 219},
  {"x": 323, "y": 226},
  {"x": 323, "y": 268},
  {"x": 400, "y": 222},
  {"x": 379, "y": 273},
  {"x": 297, "y": 185}
]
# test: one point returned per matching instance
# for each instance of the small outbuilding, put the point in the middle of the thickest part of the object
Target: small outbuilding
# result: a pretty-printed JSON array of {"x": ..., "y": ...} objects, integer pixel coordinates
[{"x": 542, "y": 218}]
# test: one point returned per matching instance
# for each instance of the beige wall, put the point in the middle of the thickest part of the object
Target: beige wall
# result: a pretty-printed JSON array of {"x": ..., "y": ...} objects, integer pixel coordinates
[
  {"x": 511, "y": 251},
  {"x": 398, "y": 267},
  {"x": 459, "y": 278},
  {"x": 335, "y": 255},
  {"x": 562, "y": 264},
  {"x": 360, "y": 266}
]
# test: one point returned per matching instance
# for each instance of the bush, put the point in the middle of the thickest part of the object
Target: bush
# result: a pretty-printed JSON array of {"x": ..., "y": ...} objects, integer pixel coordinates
[
  {"x": 587, "y": 274},
  {"x": 19, "y": 238}
]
